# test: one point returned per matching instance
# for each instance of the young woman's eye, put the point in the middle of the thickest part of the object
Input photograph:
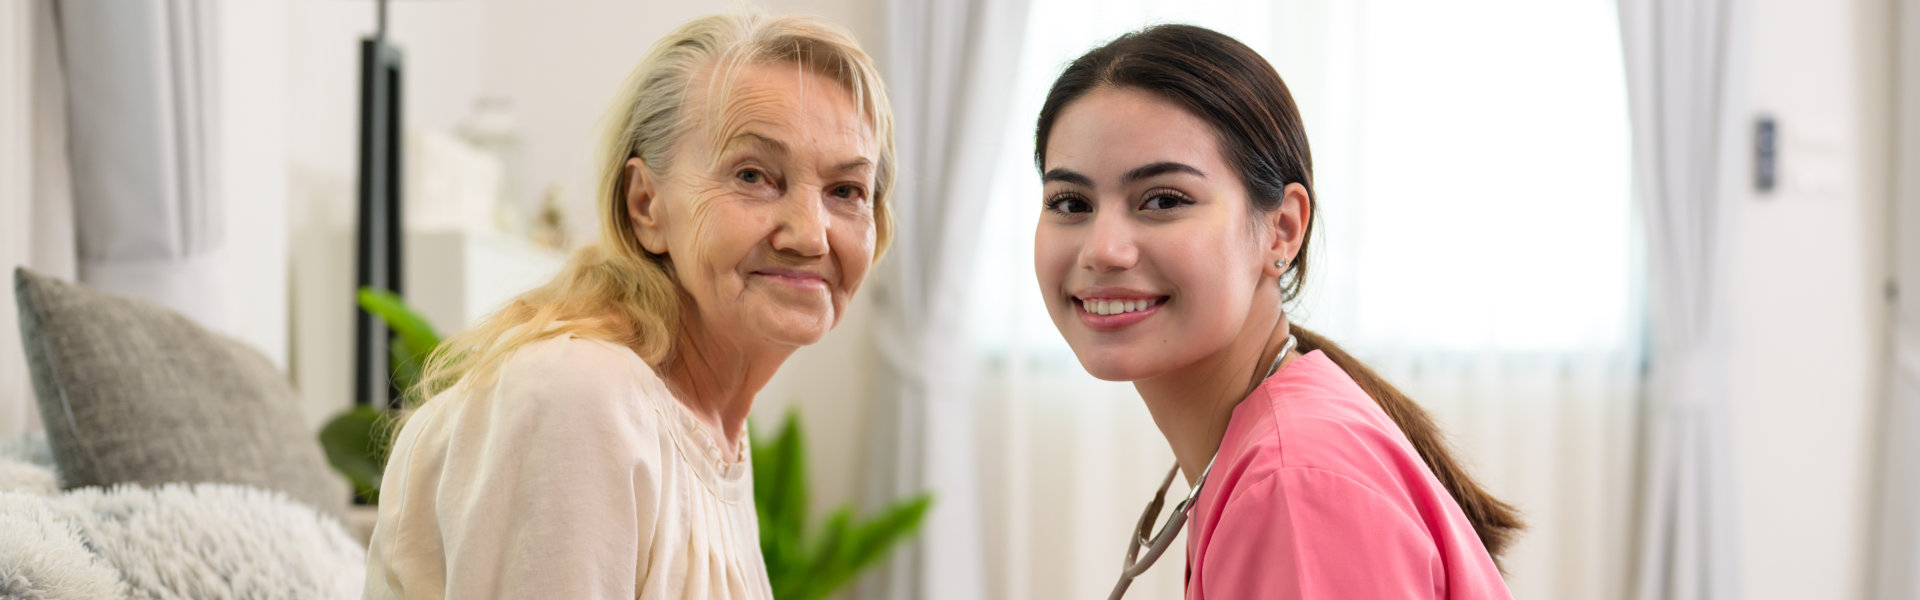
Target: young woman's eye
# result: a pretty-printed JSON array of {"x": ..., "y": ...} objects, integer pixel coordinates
[
  {"x": 1068, "y": 204},
  {"x": 1164, "y": 201}
]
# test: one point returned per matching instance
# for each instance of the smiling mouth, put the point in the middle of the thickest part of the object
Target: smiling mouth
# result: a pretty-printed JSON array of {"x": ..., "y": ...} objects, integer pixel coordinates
[
  {"x": 1118, "y": 306},
  {"x": 791, "y": 277}
]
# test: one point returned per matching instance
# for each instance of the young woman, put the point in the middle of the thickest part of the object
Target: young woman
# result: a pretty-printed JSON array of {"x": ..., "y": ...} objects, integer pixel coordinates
[
  {"x": 1177, "y": 208},
  {"x": 589, "y": 440}
]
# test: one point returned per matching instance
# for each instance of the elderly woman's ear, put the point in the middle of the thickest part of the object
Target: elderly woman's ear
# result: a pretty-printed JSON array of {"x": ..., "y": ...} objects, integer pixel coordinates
[{"x": 648, "y": 216}]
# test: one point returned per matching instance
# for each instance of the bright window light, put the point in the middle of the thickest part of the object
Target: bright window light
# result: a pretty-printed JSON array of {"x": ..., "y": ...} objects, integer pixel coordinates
[{"x": 1471, "y": 164}]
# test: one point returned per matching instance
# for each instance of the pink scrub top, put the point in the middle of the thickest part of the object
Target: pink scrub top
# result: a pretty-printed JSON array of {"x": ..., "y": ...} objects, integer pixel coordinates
[{"x": 1317, "y": 494}]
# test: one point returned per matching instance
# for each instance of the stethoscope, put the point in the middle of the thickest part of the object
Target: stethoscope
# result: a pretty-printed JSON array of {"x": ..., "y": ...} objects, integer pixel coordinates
[{"x": 1157, "y": 545}]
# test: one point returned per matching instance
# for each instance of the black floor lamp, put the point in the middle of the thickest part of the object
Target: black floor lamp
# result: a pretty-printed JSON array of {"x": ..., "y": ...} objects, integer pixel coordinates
[{"x": 379, "y": 256}]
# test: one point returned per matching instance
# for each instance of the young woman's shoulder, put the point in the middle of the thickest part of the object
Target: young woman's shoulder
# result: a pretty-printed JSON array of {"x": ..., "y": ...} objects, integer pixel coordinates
[{"x": 1316, "y": 417}]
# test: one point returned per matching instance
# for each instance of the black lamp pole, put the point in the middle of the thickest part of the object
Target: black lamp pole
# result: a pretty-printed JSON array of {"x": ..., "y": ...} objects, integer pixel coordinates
[{"x": 379, "y": 257}]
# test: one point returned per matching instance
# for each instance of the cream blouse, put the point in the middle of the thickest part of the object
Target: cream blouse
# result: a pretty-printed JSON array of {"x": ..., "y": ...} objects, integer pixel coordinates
[{"x": 574, "y": 474}]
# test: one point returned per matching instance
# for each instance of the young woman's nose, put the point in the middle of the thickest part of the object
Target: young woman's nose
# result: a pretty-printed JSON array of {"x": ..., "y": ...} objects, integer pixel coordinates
[
  {"x": 1109, "y": 244},
  {"x": 803, "y": 222}
]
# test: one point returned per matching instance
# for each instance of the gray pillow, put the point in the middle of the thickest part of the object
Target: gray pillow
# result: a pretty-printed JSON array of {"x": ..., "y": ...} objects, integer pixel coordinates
[{"x": 134, "y": 393}]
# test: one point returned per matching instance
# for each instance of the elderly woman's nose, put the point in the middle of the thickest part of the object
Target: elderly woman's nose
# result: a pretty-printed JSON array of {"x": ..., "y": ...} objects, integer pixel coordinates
[
  {"x": 803, "y": 223},
  {"x": 1110, "y": 244}
]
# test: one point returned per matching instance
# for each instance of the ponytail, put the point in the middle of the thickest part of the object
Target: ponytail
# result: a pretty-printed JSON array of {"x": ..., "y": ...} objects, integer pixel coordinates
[{"x": 1496, "y": 522}]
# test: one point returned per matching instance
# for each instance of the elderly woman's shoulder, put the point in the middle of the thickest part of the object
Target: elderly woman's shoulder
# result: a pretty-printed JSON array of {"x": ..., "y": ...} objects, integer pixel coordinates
[{"x": 568, "y": 365}]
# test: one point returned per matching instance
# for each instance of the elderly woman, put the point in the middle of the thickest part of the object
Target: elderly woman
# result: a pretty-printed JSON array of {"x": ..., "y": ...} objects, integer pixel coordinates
[{"x": 589, "y": 440}]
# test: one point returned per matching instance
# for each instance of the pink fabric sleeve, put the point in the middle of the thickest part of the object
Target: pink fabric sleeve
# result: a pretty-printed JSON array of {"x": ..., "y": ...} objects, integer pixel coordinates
[{"x": 1310, "y": 534}]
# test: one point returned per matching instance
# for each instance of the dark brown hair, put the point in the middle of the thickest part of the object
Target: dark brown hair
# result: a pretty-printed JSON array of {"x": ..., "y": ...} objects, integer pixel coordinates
[{"x": 1239, "y": 94}]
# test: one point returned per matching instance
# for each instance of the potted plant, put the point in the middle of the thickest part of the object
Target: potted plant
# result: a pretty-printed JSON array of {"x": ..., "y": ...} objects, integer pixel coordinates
[
  {"x": 357, "y": 440},
  {"x": 809, "y": 563}
]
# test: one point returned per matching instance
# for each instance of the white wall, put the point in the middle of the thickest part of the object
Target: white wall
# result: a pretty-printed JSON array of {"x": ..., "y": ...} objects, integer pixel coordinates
[
  {"x": 1809, "y": 265},
  {"x": 252, "y": 259}
]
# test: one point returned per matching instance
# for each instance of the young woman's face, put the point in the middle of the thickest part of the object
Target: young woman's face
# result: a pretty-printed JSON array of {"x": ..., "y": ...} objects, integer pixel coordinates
[
  {"x": 1146, "y": 251},
  {"x": 766, "y": 211}
]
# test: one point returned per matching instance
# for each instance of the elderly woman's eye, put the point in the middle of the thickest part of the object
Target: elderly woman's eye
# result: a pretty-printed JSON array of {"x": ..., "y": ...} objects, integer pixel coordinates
[
  {"x": 752, "y": 176},
  {"x": 848, "y": 192}
]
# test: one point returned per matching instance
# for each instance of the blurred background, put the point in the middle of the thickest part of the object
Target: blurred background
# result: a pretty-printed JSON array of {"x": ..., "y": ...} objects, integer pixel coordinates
[{"x": 1642, "y": 259}]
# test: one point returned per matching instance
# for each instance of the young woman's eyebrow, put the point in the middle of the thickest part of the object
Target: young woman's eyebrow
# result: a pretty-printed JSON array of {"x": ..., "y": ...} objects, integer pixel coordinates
[
  {"x": 1160, "y": 168},
  {"x": 1138, "y": 173},
  {"x": 1067, "y": 176}
]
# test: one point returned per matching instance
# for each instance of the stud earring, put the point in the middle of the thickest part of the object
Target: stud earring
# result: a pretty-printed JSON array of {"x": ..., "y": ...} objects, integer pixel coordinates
[{"x": 1280, "y": 264}]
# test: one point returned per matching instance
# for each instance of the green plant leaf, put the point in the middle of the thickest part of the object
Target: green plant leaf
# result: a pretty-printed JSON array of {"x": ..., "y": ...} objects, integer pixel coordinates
[
  {"x": 791, "y": 492},
  {"x": 356, "y": 440},
  {"x": 402, "y": 319},
  {"x": 414, "y": 338},
  {"x": 875, "y": 537},
  {"x": 810, "y": 563},
  {"x": 825, "y": 558},
  {"x": 781, "y": 498},
  {"x": 406, "y": 363},
  {"x": 355, "y": 446}
]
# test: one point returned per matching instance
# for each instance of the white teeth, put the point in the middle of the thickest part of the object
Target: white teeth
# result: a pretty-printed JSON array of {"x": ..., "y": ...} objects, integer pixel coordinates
[{"x": 1115, "y": 307}]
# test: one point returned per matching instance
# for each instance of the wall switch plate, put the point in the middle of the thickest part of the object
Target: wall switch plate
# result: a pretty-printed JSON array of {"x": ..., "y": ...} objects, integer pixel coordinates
[{"x": 1766, "y": 154}]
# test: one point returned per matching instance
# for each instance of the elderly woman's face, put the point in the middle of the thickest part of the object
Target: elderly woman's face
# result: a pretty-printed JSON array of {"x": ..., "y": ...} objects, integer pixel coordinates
[{"x": 766, "y": 209}]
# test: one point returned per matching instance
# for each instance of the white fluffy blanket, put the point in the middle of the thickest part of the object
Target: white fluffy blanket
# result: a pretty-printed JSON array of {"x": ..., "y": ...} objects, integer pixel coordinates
[{"x": 174, "y": 541}]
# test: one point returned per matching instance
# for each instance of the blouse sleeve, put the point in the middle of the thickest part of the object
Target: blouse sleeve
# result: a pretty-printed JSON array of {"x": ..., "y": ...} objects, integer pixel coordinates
[
  {"x": 550, "y": 493},
  {"x": 1306, "y": 533}
]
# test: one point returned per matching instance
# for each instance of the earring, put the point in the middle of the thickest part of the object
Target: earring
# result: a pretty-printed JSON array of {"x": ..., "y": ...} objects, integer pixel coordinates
[{"x": 1280, "y": 264}]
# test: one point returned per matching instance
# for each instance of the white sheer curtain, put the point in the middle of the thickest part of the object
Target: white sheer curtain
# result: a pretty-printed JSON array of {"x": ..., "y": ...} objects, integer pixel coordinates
[
  {"x": 1896, "y": 568},
  {"x": 142, "y": 108},
  {"x": 16, "y": 186},
  {"x": 1480, "y": 250},
  {"x": 1682, "y": 60},
  {"x": 38, "y": 228},
  {"x": 1476, "y": 245},
  {"x": 944, "y": 61}
]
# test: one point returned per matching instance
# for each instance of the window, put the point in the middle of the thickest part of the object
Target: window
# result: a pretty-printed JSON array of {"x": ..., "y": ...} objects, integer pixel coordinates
[{"x": 1471, "y": 164}]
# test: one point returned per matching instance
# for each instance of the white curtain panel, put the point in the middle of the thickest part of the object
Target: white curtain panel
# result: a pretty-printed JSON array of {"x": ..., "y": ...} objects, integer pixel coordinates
[
  {"x": 1067, "y": 463},
  {"x": 1553, "y": 434},
  {"x": 1897, "y": 559},
  {"x": 1681, "y": 58},
  {"x": 16, "y": 192},
  {"x": 142, "y": 114},
  {"x": 1477, "y": 249},
  {"x": 38, "y": 227},
  {"x": 945, "y": 62}
]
